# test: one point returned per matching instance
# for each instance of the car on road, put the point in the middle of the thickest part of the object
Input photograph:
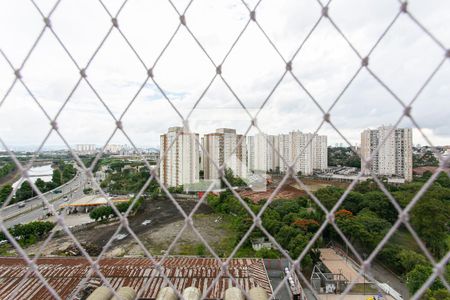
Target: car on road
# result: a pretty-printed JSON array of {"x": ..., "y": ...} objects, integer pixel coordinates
[
  {"x": 66, "y": 198},
  {"x": 121, "y": 236},
  {"x": 57, "y": 192},
  {"x": 21, "y": 204}
]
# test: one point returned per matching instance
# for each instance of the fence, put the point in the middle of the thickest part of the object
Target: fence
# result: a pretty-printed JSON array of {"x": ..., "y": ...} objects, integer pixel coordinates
[{"x": 180, "y": 16}]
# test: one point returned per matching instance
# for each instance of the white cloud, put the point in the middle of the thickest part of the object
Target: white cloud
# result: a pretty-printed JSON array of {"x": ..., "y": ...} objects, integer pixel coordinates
[{"x": 324, "y": 65}]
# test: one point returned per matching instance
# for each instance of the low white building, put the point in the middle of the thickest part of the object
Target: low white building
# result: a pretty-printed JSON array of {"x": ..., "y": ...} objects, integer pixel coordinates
[{"x": 261, "y": 243}]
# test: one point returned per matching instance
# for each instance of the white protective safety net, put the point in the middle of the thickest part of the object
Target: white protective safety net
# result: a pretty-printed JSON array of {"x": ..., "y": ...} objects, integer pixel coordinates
[{"x": 325, "y": 14}]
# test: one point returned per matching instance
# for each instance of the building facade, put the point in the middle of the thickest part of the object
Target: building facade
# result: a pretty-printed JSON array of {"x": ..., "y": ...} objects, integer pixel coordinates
[
  {"x": 227, "y": 147},
  {"x": 180, "y": 161},
  {"x": 86, "y": 149},
  {"x": 394, "y": 157},
  {"x": 265, "y": 152},
  {"x": 115, "y": 149}
]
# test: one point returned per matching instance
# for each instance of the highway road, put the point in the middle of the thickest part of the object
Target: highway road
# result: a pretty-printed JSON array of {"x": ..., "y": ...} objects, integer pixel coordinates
[{"x": 34, "y": 208}]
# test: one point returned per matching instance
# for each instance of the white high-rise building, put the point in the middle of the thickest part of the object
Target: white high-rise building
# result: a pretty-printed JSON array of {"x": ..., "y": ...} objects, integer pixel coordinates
[
  {"x": 265, "y": 150},
  {"x": 283, "y": 148},
  {"x": 115, "y": 149},
  {"x": 320, "y": 152},
  {"x": 301, "y": 146},
  {"x": 394, "y": 157},
  {"x": 260, "y": 153},
  {"x": 225, "y": 147},
  {"x": 86, "y": 149},
  {"x": 180, "y": 163},
  {"x": 250, "y": 153},
  {"x": 273, "y": 157}
]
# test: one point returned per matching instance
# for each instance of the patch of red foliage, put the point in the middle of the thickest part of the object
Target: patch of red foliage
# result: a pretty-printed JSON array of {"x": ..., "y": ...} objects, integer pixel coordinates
[
  {"x": 306, "y": 224},
  {"x": 343, "y": 213}
]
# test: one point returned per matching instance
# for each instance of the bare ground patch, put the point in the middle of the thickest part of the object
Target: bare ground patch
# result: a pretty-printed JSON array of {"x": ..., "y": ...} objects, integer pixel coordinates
[
  {"x": 158, "y": 240},
  {"x": 165, "y": 224}
]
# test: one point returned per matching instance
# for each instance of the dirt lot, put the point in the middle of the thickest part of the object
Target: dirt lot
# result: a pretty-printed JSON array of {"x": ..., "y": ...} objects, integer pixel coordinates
[
  {"x": 286, "y": 192},
  {"x": 290, "y": 189},
  {"x": 165, "y": 224}
]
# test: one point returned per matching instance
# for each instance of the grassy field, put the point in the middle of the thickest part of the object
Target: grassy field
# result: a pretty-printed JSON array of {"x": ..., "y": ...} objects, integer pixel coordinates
[{"x": 364, "y": 288}]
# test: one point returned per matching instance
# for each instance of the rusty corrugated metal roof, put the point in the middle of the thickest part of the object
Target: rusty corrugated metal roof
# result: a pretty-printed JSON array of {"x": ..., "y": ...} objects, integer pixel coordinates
[{"x": 65, "y": 274}]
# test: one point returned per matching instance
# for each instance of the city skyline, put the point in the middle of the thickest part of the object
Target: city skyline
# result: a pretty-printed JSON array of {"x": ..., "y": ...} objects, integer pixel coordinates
[
  {"x": 157, "y": 147},
  {"x": 184, "y": 155}
]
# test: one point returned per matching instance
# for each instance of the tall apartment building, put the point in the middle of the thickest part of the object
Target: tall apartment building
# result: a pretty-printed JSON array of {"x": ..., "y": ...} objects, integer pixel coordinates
[
  {"x": 265, "y": 150},
  {"x": 179, "y": 164},
  {"x": 311, "y": 150},
  {"x": 86, "y": 149},
  {"x": 320, "y": 153},
  {"x": 250, "y": 153},
  {"x": 284, "y": 148},
  {"x": 261, "y": 156},
  {"x": 115, "y": 149},
  {"x": 394, "y": 157},
  {"x": 224, "y": 147}
]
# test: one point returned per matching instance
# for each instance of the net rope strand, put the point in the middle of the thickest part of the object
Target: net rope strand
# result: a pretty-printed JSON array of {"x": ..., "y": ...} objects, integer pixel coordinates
[{"x": 150, "y": 76}]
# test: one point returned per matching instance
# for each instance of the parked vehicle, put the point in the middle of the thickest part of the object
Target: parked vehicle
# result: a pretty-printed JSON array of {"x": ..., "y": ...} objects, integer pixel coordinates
[
  {"x": 121, "y": 236},
  {"x": 21, "y": 204}
]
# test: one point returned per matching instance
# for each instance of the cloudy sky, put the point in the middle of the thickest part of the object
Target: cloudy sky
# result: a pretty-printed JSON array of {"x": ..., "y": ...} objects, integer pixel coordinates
[{"x": 404, "y": 59}]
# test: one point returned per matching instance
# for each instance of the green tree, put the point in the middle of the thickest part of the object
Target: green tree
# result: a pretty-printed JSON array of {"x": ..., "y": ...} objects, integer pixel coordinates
[
  {"x": 409, "y": 259},
  {"x": 417, "y": 277},
  {"x": 271, "y": 220},
  {"x": 29, "y": 233},
  {"x": 366, "y": 186},
  {"x": 297, "y": 244},
  {"x": 440, "y": 294},
  {"x": 68, "y": 173},
  {"x": 57, "y": 177},
  {"x": 200, "y": 250},
  {"x": 24, "y": 192},
  {"x": 426, "y": 159},
  {"x": 353, "y": 202},
  {"x": 430, "y": 218},
  {"x": 5, "y": 191},
  {"x": 285, "y": 207},
  {"x": 378, "y": 202},
  {"x": 366, "y": 229},
  {"x": 267, "y": 253},
  {"x": 285, "y": 235},
  {"x": 388, "y": 255},
  {"x": 329, "y": 195},
  {"x": 41, "y": 185},
  {"x": 6, "y": 169},
  {"x": 232, "y": 180}
]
